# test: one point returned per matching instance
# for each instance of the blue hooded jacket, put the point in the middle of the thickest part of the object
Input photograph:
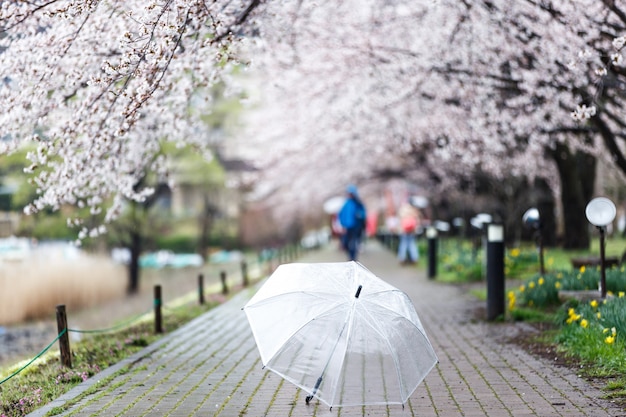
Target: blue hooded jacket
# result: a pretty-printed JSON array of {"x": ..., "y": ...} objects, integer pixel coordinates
[{"x": 352, "y": 214}]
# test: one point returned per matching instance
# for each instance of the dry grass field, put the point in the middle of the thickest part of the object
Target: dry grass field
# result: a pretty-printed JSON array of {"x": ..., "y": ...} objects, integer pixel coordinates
[{"x": 32, "y": 287}]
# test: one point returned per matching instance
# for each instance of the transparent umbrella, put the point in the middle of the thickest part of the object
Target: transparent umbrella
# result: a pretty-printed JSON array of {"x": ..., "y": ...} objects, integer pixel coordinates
[{"x": 340, "y": 333}]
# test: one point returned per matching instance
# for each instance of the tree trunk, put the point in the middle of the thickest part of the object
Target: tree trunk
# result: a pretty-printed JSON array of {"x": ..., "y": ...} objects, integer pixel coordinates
[
  {"x": 133, "y": 266},
  {"x": 577, "y": 173},
  {"x": 205, "y": 222}
]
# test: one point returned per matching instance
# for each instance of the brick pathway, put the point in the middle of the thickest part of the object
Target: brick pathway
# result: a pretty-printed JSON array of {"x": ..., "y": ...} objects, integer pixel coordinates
[{"x": 211, "y": 367}]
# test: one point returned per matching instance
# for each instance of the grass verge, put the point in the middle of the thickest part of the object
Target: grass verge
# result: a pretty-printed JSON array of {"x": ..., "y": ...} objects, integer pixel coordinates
[{"x": 46, "y": 380}]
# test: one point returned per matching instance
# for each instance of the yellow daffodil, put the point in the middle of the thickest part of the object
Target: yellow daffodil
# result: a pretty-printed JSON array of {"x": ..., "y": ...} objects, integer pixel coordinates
[
  {"x": 609, "y": 340},
  {"x": 522, "y": 288},
  {"x": 621, "y": 294},
  {"x": 599, "y": 315},
  {"x": 572, "y": 316},
  {"x": 584, "y": 323},
  {"x": 557, "y": 285},
  {"x": 582, "y": 269},
  {"x": 594, "y": 303},
  {"x": 515, "y": 252},
  {"x": 531, "y": 285},
  {"x": 541, "y": 281}
]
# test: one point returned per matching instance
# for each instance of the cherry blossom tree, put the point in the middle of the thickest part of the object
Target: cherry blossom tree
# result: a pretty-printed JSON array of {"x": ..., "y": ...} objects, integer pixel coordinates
[
  {"x": 448, "y": 87},
  {"x": 349, "y": 92},
  {"x": 99, "y": 85}
]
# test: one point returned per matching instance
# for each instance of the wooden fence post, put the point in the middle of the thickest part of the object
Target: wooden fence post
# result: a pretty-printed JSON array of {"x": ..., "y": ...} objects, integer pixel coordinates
[
  {"x": 158, "y": 315},
  {"x": 244, "y": 273},
  {"x": 201, "y": 289},
  {"x": 223, "y": 279},
  {"x": 64, "y": 340}
]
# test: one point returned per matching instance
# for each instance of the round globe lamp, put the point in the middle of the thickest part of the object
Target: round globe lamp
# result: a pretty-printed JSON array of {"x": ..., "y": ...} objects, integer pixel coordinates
[{"x": 601, "y": 212}]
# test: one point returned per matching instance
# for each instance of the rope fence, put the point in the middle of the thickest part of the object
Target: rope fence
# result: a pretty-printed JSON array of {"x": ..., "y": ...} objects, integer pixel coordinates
[{"x": 271, "y": 258}]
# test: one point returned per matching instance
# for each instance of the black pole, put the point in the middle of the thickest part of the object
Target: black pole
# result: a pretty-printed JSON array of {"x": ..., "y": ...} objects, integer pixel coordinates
[
  {"x": 602, "y": 264},
  {"x": 495, "y": 271},
  {"x": 431, "y": 235},
  {"x": 542, "y": 267}
]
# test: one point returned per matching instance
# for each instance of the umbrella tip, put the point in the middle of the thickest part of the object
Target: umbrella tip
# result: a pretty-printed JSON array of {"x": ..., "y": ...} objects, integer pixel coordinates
[{"x": 358, "y": 291}]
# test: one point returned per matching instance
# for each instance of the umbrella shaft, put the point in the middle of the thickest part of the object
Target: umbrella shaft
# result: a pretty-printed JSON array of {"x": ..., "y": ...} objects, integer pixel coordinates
[{"x": 317, "y": 385}]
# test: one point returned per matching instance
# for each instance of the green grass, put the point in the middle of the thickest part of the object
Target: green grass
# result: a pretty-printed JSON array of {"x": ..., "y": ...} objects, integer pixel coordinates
[
  {"x": 46, "y": 380},
  {"x": 595, "y": 333}
]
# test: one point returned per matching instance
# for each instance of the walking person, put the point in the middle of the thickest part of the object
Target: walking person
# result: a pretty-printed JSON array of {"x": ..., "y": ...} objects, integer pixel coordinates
[
  {"x": 352, "y": 219},
  {"x": 410, "y": 220}
]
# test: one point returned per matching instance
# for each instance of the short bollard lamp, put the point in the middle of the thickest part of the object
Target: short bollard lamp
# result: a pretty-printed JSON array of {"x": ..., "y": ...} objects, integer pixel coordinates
[
  {"x": 532, "y": 220},
  {"x": 495, "y": 271},
  {"x": 601, "y": 212},
  {"x": 431, "y": 235}
]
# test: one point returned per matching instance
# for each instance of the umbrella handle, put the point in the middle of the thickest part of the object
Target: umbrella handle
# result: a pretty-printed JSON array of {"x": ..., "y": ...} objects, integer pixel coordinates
[{"x": 317, "y": 385}]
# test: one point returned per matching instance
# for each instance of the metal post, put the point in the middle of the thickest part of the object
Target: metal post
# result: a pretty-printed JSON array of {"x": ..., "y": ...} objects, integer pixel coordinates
[
  {"x": 158, "y": 316},
  {"x": 431, "y": 235},
  {"x": 64, "y": 340},
  {"x": 495, "y": 271},
  {"x": 602, "y": 264},
  {"x": 201, "y": 289}
]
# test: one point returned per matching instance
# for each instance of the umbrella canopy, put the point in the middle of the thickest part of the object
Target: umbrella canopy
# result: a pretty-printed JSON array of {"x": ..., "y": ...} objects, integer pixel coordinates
[{"x": 340, "y": 333}]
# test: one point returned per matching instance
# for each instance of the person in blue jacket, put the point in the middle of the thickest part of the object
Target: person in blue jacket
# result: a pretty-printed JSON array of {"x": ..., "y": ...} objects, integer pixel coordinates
[{"x": 352, "y": 219}]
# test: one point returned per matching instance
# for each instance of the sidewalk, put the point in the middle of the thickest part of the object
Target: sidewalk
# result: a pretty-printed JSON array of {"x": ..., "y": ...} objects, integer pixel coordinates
[{"x": 211, "y": 367}]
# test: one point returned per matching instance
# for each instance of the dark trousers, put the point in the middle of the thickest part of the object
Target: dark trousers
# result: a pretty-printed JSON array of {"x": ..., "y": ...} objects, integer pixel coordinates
[{"x": 350, "y": 242}]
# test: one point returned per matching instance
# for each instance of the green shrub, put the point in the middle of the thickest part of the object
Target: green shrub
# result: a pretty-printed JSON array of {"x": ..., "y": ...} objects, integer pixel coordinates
[{"x": 177, "y": 243}]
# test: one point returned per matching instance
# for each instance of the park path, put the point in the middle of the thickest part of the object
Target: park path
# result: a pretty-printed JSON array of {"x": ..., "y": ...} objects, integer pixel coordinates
[{"x": 211, "y": 366}]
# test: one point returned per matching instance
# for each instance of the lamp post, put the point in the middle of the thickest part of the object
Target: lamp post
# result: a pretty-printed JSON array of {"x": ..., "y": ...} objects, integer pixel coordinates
[
  {"x": 601, "y": 212},
  {"x": 495, "y": 271},
  {"x": 431, "y": 235},
  {"x": 478, "y": 222},
  {"x": 532, "y": 220}
]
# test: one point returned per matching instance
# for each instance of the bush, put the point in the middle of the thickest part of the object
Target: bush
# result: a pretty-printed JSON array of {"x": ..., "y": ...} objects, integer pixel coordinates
[{"x": 177, "y": 243}]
